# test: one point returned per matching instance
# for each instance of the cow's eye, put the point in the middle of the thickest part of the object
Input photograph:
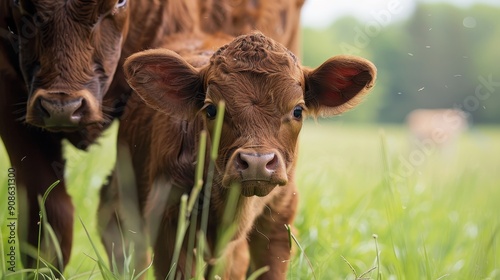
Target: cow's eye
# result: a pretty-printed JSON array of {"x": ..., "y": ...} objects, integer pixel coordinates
[
  {"x": 16, "y": 3},
  {"x": 211, "y": 111},
  {"x": 297, "y": 112},
  {"x": 121, "y": 3}
]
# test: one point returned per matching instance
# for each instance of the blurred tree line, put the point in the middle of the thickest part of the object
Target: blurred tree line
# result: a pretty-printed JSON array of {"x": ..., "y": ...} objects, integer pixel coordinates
[{"x": 442, "y": 56}]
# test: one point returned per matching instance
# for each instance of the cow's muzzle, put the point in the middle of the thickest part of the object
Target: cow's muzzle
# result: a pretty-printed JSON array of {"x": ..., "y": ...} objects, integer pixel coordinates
[
  {"x": 257, "y": 172},
  {"x": 63, "y": 111}
]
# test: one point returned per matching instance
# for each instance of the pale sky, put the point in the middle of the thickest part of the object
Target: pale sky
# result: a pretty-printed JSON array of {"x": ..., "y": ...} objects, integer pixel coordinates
[{"x": 320, "y": 13}]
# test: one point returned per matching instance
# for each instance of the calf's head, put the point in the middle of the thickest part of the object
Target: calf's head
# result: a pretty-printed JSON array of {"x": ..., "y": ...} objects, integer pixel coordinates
[
  {"x": 267, "y": 95},
  {"x": 68, "y": 53}
]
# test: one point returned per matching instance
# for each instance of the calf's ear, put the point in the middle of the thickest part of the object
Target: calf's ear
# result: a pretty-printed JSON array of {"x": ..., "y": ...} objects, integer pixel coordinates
[
  {"x": 338, "y": 84},
  {"x": 164, "y": 80}
]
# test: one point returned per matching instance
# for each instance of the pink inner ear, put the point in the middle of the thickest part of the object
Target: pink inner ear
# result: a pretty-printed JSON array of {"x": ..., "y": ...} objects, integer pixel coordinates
[
  {"x": 342, "y": 79},
  {"x": 170, "y": 85},
  {"x": 341, "y": 82},
  {"x": 331, "y": 99}
]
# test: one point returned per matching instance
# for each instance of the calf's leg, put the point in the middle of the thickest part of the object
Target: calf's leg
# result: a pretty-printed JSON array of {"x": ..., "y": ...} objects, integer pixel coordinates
[
  {"x": 109, "y": 223},
  {"x": 37, "y": 159},
  {"x": 121, "y": 224}
]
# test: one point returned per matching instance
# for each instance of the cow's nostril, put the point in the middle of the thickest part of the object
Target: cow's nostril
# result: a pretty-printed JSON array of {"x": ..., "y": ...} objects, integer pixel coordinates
[
  {"x": 41, "y": 107},
  {"x": 241, "y": 164},
  {"x": 77, "y": 114},
  {"x": 273, "y": 163}
]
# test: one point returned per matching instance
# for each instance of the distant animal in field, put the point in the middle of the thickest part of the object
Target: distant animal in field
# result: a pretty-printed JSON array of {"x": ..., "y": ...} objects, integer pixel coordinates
[
  {"x": 437, "y": 127},
  {"x": 267, "y": 95}
]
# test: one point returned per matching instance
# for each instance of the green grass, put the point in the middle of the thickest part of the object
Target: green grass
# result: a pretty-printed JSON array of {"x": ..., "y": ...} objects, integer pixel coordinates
[
  {"x": 438, "y": 220},
  {"x": 441, "y": 220}
]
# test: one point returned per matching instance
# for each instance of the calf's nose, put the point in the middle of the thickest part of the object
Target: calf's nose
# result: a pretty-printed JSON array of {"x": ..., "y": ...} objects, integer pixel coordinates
[
  {"x": 253, "y": 166},
  {"x": 61, "y": 113}
]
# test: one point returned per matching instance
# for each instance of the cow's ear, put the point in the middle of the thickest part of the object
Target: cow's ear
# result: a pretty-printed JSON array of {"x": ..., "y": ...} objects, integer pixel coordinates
[
  {"x": 338, "y": 84},
  {"x": 164, "y": 80}
]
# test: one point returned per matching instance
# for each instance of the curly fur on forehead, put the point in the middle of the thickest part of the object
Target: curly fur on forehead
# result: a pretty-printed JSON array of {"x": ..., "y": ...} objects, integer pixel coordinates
[{"x": 253, "y": 53}]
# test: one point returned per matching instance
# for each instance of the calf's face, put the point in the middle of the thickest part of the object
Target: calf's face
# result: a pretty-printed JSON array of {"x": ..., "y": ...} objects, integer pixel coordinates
[
  {"x": 68, "y": 53},
  {"x": 267, "y": 95}
]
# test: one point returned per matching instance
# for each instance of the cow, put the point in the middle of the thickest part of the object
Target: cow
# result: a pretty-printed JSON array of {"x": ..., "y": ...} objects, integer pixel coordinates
[
  {"x": 436, "y": 128},
  {"x": 267, "y": 95},
  {"x": 61, "y": 78}
]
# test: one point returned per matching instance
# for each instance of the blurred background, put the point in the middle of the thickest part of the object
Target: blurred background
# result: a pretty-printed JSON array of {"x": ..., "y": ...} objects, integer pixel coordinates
[{"x": 429, "y": 54}]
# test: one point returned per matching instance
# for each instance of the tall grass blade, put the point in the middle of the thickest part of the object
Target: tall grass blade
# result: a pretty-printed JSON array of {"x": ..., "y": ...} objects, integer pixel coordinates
[
  {"x": 208, "y": 185},
  {"x": 49, "y": 231},
  {"x": 114, "y": 266},
  {"x": 258, "y": 273},
  {"x": 179, "y": 237},
  {"x": 362, "y": 275},
  {"x": 211, "y": 166},
  {"x": 375, "y": 237},
  {"x": 49, "y": 234},
  {"x": 198, "y": 178},
  {"x": 350, "y": 266},
  {"x": 302, "y": 252},
  {"x": 193, "y": 198},
  {"x": 105, "y": 272},
  {"x": 49, "y": 189},
  {"x": 200, "y": 261},
  {"x": 191, "y": 242},
  {"x": 227, "y": 228},
  {"x": 143, "y": 272},
  {"x": 186, "y": 216},
  {"x": 217, "y": 130},
  {"x": 50, "y": 271}
]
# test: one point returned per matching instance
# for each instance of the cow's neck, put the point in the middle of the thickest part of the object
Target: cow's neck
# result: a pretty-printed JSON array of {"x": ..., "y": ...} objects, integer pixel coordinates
[
  {"x": 238, "y": 224},
  {"x": 170, "y": 17}
]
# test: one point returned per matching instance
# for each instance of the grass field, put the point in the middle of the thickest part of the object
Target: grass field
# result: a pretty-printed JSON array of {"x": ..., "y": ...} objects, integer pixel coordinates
[{"x": 364, "y": 192}]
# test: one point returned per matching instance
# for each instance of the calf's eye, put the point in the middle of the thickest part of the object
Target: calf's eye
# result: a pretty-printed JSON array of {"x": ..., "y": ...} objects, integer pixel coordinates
[
  {"x": 297, "y": 112},
  {"x": 211, "y": 111},
  {"x": 121, "y": 3}
]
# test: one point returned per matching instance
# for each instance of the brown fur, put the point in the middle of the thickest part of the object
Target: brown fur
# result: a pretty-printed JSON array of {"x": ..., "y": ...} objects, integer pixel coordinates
[
  {"x": 262, "y": 85},
  {"x": 67, "y": 54},
  {"x": 278, "y": 19}
]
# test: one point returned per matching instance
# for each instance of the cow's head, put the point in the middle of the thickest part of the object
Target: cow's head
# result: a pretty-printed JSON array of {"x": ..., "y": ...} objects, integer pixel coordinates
[
  {"x": 267, "y": 95},
  {"x": 68, "y": 52}
]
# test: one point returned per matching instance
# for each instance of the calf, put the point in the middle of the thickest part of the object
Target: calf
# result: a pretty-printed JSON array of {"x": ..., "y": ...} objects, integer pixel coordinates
[
  {"x": 436, "y": 128},
  {"x": 267, "y": 95},
  {"x": 61, "y": 78}
]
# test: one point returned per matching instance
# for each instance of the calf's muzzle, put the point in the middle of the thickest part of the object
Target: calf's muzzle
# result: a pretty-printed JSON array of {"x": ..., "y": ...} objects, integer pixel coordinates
[
  {"x": 59, "y": 113},
  {"x": 257, "y": 172},
  {"x": 60, "y": 110},
  {"x": 255, "y": 167}
]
